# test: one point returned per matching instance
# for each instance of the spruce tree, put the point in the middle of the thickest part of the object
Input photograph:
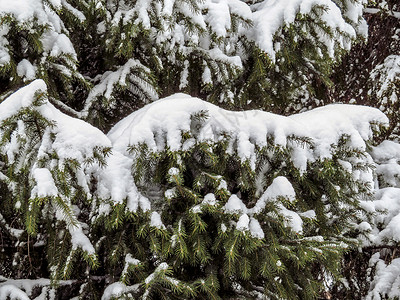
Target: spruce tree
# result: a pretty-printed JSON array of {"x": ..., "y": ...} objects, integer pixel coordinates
[
  {"x": 130, "y": 196},
  {"x": 370, "y": 71}
]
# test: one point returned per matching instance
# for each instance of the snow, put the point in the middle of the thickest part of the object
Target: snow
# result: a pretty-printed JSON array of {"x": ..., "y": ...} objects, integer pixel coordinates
[
  {"x": 209, "y": 199},
  {"x": 385, "y": 74},
  {"x": 239, "y": 8},
  {"x": 292, "y": 219},
  {"x": 151, "y": 121},
  {"x": 222, "y": 185},
  {"x": 206, "y": 77},
  {"x": 121, "y": 77},
  {"x": 160, "y": 268},
  {"x": 161, "y": 124},
  {"x": 217, "y": 55},
  {"x": 309, "y": 214},
  {"x": 28, "y": 14},
  {"x": 68, "y": 139},
  {"x": 251, "y": 128},
  {"x": 117, "y": 289},
  {"x": 226, "y": 23},
  {"x": 300, "y": 157},
  {"x": 270, "y": 15},
  {"x": 12, "y": 292},
  {"x": 385, "y": 151},
  {"x": 73, "y": 10},
  {"x": 170, "y": 193},
  {"x": 235, "y": 205},
  {"x": 129, "y": 260},
  {"x": 387, "y": 201},
  {"x": 4, "y": 55},
  {"x": 173, "y": 172},
  {"x": 57, "y": 44},
  {"x": 218, "y": 17},
  {"x": 370, "y": 10},
  {"x": 12, "y": 148},
  {"x": 280, "y": 187},
  {"x": 384, "y": 227},
  {"x": 45, "y": 186},
  {"x": 184, "y": 76},
  {"x": 23, "y": 10},
  {"x": 115, "y": 181},
  {"x": 255, "y": 229},
  {"x": 26, "y": 70},
  {"x": 223, "y": 227},
  {"x": 243, "y": 223},
  {"x": 387, "y": 159},
  {"x": 390, "y": 171},
  {"x": 20, "y": 99},
  {"x": 21, "y": 289},
  {"x": 268, "y": 18},
  {"x": 80, "y": 240},
  {"x": 155, "y": 220},
  {"x": 75, "y": 139},
  {"x": 151, "y": 125},
  {"x": 326, "y": 124},
  {"x": 386, "y": 280}
]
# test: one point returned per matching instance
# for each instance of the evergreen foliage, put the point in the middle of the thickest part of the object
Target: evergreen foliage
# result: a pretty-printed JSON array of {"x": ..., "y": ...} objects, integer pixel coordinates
[
  {"x": 368, "y": 75},
  {"x": 212, "y": 248},
  {"x": 45, "y": 187},
  {"x": 182, "y": 199},
  {"x": 370, "y": 70}
]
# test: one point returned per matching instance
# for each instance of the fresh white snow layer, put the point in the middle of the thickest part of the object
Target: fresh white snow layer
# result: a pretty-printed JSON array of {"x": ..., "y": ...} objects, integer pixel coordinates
[{"x": 161, "y": 124}]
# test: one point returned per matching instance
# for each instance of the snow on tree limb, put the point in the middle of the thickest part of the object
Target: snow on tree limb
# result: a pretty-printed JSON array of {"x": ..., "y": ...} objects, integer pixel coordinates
[
  {"x": 63, "y": 150},
  {"x": 157, "y": 129},
  {"x": 184, "y": 198},
  {"x": 370, "y": 10}
]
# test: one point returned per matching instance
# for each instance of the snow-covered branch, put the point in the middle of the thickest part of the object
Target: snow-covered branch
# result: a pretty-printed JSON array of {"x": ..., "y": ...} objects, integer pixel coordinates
[{"x": 370, "y": 10}]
